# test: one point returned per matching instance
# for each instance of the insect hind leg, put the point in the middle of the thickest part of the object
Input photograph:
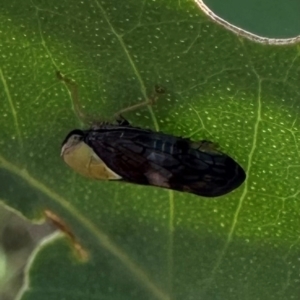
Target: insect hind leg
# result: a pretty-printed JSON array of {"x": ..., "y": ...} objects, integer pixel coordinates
[
  {"x": 73, "y": 89},
  {"x": 122, "y": 121},
  {"x": 150, "y": 101}
]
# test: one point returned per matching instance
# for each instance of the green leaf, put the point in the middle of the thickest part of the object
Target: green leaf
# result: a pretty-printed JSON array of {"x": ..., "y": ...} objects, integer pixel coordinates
[{"x": 145, "y": 242}]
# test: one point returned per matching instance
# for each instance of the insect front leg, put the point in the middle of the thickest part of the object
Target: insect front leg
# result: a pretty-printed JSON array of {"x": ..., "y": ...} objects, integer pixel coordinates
[{"x": 150, "y": 101}]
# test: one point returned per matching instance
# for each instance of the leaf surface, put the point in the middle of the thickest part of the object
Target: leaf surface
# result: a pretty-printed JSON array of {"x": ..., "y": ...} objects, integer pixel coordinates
[{"x": 145, "y": 242}]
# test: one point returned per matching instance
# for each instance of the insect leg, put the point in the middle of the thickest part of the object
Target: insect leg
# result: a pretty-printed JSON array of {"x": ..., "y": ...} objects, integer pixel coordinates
[
  {"x": 72, "y": 87},
  {"x": 122, "y": 121},
  {"x": 150, "y": 101}
]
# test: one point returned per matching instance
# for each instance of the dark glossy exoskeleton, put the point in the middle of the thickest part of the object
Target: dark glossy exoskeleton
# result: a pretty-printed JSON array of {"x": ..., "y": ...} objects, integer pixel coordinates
[
  {"x": 152, "y": 158},
  {"x": 141, "y": 156}
]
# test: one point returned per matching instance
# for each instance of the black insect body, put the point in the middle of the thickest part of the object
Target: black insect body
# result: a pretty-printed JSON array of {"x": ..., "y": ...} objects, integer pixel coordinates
[
  {"x": 126, "y": 153},
  {"x": 152, "y": 158}
]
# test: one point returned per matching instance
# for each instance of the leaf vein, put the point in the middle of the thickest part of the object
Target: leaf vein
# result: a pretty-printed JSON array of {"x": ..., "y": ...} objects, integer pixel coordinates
[
  {"x": 12, "y": 107},
  {"x": 101, "y": 237},
  {"x": 131, "y": 62}
]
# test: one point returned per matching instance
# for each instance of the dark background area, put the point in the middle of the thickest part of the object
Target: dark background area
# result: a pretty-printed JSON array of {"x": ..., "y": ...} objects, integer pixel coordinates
[{"x": 273, "y": 19}]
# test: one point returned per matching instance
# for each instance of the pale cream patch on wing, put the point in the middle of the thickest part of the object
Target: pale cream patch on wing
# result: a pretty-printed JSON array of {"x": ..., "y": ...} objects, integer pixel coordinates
[{"x": 82, "y": 159}]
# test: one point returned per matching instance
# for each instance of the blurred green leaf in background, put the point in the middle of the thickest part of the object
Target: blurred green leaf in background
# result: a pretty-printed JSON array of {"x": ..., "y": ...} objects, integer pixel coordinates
[
  {"x": 145, "y": 242},
  {"x": 19, "y": 241}
]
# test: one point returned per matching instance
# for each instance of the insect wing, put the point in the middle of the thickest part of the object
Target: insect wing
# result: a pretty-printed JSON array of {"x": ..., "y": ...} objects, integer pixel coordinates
[
  {"x": 218, "y": 174},
  {"x": 121, "y": 153},
  {"x": 146, "y": 157}
]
